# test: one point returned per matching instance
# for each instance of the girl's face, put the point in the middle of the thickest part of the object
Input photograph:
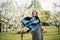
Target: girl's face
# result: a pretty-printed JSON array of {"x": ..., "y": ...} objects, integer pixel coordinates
[{"x": 34, "y": 13}]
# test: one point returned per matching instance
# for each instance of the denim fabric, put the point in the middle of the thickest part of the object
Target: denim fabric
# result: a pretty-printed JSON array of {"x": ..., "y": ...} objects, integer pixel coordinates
[{"x": 31, "y": 22}]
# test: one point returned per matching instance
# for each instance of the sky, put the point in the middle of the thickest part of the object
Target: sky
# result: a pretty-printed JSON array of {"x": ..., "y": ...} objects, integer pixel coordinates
[{"x": 45, "y": 4}]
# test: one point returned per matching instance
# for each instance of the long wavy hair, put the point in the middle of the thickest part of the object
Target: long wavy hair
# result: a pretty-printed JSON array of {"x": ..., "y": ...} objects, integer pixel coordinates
[{"x": 34, "y": 13}]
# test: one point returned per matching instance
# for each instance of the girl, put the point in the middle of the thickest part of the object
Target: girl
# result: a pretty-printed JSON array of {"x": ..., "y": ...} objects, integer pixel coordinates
[
  {"x": 33, "y": 23},
  {"x": 37, "y": 34}
]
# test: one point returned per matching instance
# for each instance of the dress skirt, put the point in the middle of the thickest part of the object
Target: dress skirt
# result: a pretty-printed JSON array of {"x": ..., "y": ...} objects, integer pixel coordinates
[{"x": 37, "y": 34}]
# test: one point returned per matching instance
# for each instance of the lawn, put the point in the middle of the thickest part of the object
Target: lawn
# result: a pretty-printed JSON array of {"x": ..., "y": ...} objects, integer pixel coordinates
[{"x": 51, "y": 34}]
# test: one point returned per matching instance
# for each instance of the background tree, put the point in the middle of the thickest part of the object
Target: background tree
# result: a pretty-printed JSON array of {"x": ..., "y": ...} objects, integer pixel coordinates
[
  {"x": 10, "y": 12},
  {"x": 55, "y": 17}
]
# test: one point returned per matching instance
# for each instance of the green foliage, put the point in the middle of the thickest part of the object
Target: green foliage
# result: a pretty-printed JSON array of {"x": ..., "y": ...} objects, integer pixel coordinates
[
  {"x": 45, "y": 16},
  {"x": 30, "y": 5},
  {"x": 34, "y": 4}
]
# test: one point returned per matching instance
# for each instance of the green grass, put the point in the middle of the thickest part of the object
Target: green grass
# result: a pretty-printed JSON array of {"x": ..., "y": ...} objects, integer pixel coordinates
[{"x": 51, "y": 34}]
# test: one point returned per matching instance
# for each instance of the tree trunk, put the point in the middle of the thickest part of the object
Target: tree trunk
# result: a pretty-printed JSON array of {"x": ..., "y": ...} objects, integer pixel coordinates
[
  {"x": 58, "y": 29},
  {"x": 37, "y": 34},
  {"x": 6, "y": 29},
  {"x": 0, "y": 27},
  {"x": 3, "y": 28}
]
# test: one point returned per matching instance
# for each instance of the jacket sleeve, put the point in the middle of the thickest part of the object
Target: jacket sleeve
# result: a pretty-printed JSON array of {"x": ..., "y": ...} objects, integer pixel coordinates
[{"x": 26, "y": 21}]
